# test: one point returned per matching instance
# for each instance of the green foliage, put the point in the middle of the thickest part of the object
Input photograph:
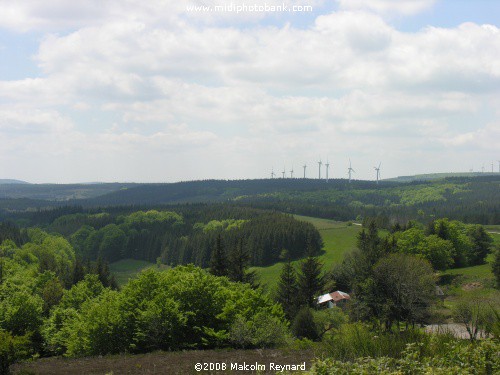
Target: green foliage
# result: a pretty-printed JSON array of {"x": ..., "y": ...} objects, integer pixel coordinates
[
  {"x": 437, "y": 251},
  {"x": 496, "y": 267},
  {"x": 310, "y": 281},
  {"x": 447, "y": 243},
  {"x": 20, "y": 310},
  {"x": 12, "y": 349},
  {"x": 159, "y": 324},
  {"x": 99, "y": 328},
  {"x": 113, "y": 242},
  {"x": 89, "y": 288},
  {"x": 404, "y": 288},
  {"x": 219, "y": 225},
  {"x": 141, "y": 219},
  {"x": 288, "y": 290},
  {"x": 260, "y": 331},
  {"x": 460, "y": 358},
  {"x": 219, "y": 262},
  {"x": 329, "y": 319},
  {"x": 304, "y": 326},
  {"x": 184, "y": 307},
  {"x": 476, "y": 314}
]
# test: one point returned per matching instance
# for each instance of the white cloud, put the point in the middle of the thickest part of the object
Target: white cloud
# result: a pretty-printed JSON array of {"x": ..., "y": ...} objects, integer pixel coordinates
[
  {"x": 116, "y": 86},
  {"x": 388, "y": 7}
]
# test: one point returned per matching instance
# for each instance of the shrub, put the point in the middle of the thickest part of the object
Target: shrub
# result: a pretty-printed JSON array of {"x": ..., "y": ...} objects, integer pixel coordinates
[
  {"x": 12, "y": 349},
  {"x": 459, "y": 358},
  {"x": 304, "y": 326},
  {"x": 261, "y": 331}
]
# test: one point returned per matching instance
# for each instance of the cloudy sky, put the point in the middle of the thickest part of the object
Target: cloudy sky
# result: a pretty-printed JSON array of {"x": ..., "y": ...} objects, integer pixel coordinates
[{"x": 153, "y": 91}]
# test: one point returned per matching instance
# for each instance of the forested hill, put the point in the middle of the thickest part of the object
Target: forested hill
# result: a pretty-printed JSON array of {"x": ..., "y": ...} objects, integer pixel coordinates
[
  {"x": 56, "y": 192},
  {"x": 469, "y": 199},
  {"x": 11, "y": 182},
  {"x": 222, "y": 190}
]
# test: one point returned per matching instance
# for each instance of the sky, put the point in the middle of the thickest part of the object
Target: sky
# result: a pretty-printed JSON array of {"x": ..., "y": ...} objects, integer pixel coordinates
[{"x": 162, "y": 91}]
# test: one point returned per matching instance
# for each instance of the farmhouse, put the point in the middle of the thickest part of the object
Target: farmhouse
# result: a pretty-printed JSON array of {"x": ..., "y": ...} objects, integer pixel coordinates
[{"x": 336, "y": 298}]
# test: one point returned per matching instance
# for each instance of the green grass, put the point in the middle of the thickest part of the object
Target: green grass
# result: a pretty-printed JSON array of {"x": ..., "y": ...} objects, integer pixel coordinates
[
  {"x": 126, "y": 269},
  {"x": 338, "y": 239}
]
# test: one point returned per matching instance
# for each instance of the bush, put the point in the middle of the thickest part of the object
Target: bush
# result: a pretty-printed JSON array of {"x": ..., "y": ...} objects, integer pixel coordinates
[
  {"x": 304, "y": 326},
  {"x": 12, "y": 349},
  {"x": 185, "y": 307},
  {"x": 261, "y": 331},
  {"x": 459, "y": 358},
  {"x": 355, "y": 340}
]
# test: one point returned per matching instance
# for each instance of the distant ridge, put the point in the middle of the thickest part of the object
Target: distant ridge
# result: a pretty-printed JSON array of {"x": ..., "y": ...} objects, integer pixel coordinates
[
  {"x": 438, "y": 176},
  {"x": 8, "y": 181}
]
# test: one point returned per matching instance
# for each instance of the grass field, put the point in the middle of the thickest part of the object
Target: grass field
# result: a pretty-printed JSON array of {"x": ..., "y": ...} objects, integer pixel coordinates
[
  {"x": 338, "y": 238},
  {"x": 127, "y": 268}
]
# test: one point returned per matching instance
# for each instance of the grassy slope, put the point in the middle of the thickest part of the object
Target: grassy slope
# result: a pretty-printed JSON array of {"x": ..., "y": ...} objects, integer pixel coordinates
[
  {"x": 338, "y": 238},
  {"x": 127, "y": 268},
  {"x": 483, "y": 271}
]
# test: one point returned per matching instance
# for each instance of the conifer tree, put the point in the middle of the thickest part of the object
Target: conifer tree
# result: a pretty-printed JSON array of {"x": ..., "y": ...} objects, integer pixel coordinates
[
  {"x": 78, "y": 271},
  {"x": 287, "y": 293},
  {"x": 311, "y": 280},
  {"x": 218, "y": 261},
  {"x": 239, "y": 259},
  {"x": 496, "y": 267}
]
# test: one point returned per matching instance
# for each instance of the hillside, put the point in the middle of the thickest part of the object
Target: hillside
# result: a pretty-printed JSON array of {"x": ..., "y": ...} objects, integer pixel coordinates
[
  {"x": 438, "y": 176},
  {"x": 338, "y": 239},
  {"x": 56, "y": 192},
  {"x": 4, "y": 181},
  {"x": 469, "y": 199}
]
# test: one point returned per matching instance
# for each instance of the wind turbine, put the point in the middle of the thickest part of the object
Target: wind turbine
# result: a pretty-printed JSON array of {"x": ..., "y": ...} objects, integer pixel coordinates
[
  {"x": 350, "y": 170},
  {"x": 482, "y": 169},
  {"x": 498, "y": 166},
  {"x": 272, "y": 173},
  {"x": 327, "y": 165},
  {"x": 320, "y": 163},
  {"x": 305, "y": 166},
  {"x": 378, "y": 171},
  {"x": 291, "y": 173},
  {"x": 283, "y": 171},
  {"x": 491, "y": 167}
]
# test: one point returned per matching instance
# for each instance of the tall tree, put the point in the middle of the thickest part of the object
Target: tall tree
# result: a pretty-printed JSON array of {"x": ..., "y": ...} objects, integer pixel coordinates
[
  {"x": 239, "y": 259},
  {"x": 287, "y": 293},
  {"x": 370, "y": 244},
  {"x": 78, "y": 271},
  {"x": 481, "y": 244},
  {"x": 219, "y": 261},
  {"x": 496, "y": 266},
  {"x": 311, "y": 281},
  {"x": 405, "y": 286}
]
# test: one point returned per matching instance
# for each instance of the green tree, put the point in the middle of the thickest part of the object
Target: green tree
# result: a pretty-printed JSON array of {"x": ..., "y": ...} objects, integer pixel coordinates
[
  {"x": 311, "y": 281},
  {"x": 475, "y": 314},
  {"x": 218, "y": 261},
  {"x": 481, "y": 244},
  {"x": 113, "y": 243},
  {"x": 496, "y": 266},
  {"x": 437, "y": 251},
  {"x": 239, "y": 259},
  {"x": 159, "y": 324},
  {"x": 304, "y": 326},
  {"x": 287, "y": 290},
  {"x": 405, "y": 288}
]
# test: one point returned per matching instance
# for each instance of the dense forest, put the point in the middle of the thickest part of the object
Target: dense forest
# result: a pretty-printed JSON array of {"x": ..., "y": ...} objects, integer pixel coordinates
[
  {"x": 186, "y": 235},
  {"x": 468, "y": 199}
]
